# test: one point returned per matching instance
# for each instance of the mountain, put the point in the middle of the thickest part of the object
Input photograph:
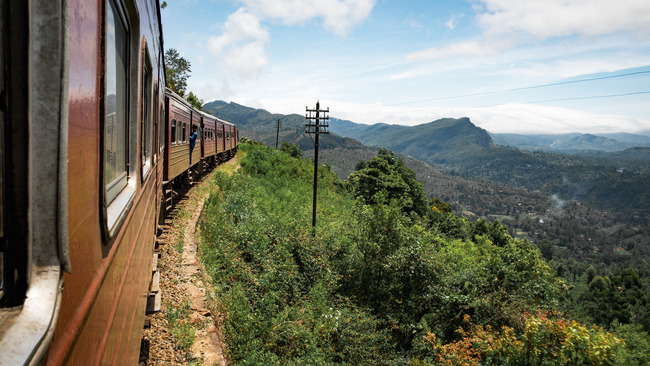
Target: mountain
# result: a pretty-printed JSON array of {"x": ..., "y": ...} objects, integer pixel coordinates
[
  {"x": 609, "y": 180},
  {"x": 615, "y": 181},
  {"x": 439, "y": 136},
  {"x": 574, "y": 143}
]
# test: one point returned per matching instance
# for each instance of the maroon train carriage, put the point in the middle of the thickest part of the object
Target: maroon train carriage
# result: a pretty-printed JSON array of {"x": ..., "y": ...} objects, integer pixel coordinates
[
  {"x": 178, "y": 127},
  {"x": 227, "y": 139},
  {"x": 208, "y": 139},
  {"x": 216, "y": 142},
  {"x": 80, "y": 177}
]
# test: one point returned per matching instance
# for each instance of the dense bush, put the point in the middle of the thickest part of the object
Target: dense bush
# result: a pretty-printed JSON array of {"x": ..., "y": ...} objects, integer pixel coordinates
[{"x": 373, "y": 283}]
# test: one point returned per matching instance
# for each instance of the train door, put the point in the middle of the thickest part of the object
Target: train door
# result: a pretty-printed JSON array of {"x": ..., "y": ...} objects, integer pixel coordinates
[{"x": 202, "y": 136}]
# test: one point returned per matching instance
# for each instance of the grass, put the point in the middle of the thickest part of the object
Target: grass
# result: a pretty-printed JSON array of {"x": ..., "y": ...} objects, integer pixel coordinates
[{"x": 181, "y": 329}]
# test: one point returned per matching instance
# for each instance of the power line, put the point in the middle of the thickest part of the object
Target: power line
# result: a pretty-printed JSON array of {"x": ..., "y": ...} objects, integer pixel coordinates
[
  {"x": 592, "y": 97},
  {"x": 530, "y": 87},
  {"x": 575, "y": 98}
]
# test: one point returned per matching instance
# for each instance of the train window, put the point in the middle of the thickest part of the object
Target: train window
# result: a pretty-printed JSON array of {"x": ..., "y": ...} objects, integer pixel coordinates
[
  {"x": 173, "y": 132},
  {"x": 156, "y": 123},
  {"x": 146, "y": 115},
  {"x": 115, "y": 103},
  {"x": 162, "y": 134},
  {"x": 179, "y": 131},
  {"x": 184, "y": 135}
]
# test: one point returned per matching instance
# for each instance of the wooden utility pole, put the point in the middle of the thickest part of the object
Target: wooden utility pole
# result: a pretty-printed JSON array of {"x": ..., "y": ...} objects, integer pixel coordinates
[
  {"x": 318, "y": 124},
  {"x": 277, "y": 135}
]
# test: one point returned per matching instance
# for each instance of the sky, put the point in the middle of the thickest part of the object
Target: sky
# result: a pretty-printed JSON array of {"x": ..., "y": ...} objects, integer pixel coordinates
[{"x": 524, "y": 66}]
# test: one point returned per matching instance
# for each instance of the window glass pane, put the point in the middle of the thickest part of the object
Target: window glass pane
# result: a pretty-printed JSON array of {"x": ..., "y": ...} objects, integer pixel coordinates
[
  {"x": 163, "y": 131},
  {"x": 115, "y": 121},
  {"x": 173, "y": 131},
  {"x": 146, "y": 116}
]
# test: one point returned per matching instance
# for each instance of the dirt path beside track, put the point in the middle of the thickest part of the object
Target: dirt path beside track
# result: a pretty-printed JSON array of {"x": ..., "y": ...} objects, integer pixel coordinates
[{"x": 187, "y": 330}]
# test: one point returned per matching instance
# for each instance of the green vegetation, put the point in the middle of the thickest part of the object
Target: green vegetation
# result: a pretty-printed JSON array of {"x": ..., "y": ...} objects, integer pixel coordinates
[
  {"x": 388, "y": 278},
  {"x": 182, "y": 330},
  {"x": 177, "y": 71}
]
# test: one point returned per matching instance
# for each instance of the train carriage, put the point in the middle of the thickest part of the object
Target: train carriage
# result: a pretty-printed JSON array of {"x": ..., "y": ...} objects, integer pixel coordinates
[
  {"x": 89, "y": 142},
  {"x": 221, "y": 143},
  {"x": 81, "y": 164},
  {"x": 208, "y": 125},
  {"x": 178, "y": 129}
]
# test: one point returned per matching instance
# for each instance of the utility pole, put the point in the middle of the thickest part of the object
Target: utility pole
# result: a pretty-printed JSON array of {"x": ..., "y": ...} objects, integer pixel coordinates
[
  {"x": 277, "y": 135},
  {"x": 317, "y": 124}
]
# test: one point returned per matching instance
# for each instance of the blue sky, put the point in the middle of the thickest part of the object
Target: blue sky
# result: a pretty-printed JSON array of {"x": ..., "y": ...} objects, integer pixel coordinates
[{"x": 523, "y": 66}]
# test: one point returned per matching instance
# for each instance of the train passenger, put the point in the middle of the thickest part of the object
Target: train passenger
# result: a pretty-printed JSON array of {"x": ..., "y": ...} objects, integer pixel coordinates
[{"x": 192, "y": 142}]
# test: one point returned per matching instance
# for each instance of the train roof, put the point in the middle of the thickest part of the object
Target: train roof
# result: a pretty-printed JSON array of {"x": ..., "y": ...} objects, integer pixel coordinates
[
  {"x": 204, "y": 114},
  {"x": 177, "y": 97}
]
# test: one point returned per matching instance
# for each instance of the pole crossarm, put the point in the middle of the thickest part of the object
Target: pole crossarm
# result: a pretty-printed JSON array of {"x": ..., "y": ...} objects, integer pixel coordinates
[{"x": 318, "y": 120}]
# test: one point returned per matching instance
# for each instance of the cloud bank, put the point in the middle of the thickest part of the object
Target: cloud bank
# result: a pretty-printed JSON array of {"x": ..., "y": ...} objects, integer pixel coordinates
[{"x": 507, "y": 23}]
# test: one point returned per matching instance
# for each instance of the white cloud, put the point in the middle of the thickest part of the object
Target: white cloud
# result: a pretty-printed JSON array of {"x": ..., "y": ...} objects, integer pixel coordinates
[
  {"x": 553, "y": 18},
  {"x": 507, "y": 118},
  {"x": 527, "y": 118},
  {"x": 508, "y": 23},
  {"x": 240, "y": 49},
  {"x": 338, "y": 16},
  {"x": 458, "y": 49},
  {"x": 453, "y": 20}
]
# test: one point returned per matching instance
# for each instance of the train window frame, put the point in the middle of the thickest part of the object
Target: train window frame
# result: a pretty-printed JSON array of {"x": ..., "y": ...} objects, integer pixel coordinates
[
  {"x": 173, "y": 132},
  {"x": 146, "y": 143},
  {"x": 162, "y": 133},
  {"x": 118, "y": 194},
  {"x": 156, "y": 122}
]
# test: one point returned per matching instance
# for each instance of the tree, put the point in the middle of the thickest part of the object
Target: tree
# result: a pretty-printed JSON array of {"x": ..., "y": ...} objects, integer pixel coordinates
[
  {"x": 291, "y": 149},
  {"x": 178, "y": 71},
  {"x": 385, "y": 176},
  {"x": 195, "y": 101}
]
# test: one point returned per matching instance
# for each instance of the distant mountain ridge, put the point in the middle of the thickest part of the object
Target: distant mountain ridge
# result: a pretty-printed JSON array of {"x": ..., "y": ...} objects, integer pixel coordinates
[
  {"x": 609, "y": 180},
  {"x": 573, "y": 142}
]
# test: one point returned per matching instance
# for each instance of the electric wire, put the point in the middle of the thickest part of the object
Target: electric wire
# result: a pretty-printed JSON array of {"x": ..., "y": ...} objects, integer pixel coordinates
[
  {"x": 537, "y": 87},
  {"x": 573, "y": 98}
]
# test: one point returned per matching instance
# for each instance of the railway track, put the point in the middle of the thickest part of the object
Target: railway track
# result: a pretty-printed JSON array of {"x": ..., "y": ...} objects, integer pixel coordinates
[{"x": 183, "y": 285}]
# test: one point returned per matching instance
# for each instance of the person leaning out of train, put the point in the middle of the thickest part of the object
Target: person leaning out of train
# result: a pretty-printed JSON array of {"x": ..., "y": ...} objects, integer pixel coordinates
[{"x": 192, "y": 141}]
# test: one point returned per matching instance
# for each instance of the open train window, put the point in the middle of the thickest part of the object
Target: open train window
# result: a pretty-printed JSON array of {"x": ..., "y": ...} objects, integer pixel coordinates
[
  {"x": 162, "y": 133},
  {"x": 146, "y": 123},
  {"x": 173, "y": 132},
  {"x": 184, "y": 136}
]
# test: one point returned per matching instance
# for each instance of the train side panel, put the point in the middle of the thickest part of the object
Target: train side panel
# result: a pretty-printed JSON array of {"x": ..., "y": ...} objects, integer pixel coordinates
[
  {"x": 178, "y": 118},
  {"x": 111, "y": 235},
  {"x": 221, "y": 146},
  {"x": 209, "y": 142}
]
